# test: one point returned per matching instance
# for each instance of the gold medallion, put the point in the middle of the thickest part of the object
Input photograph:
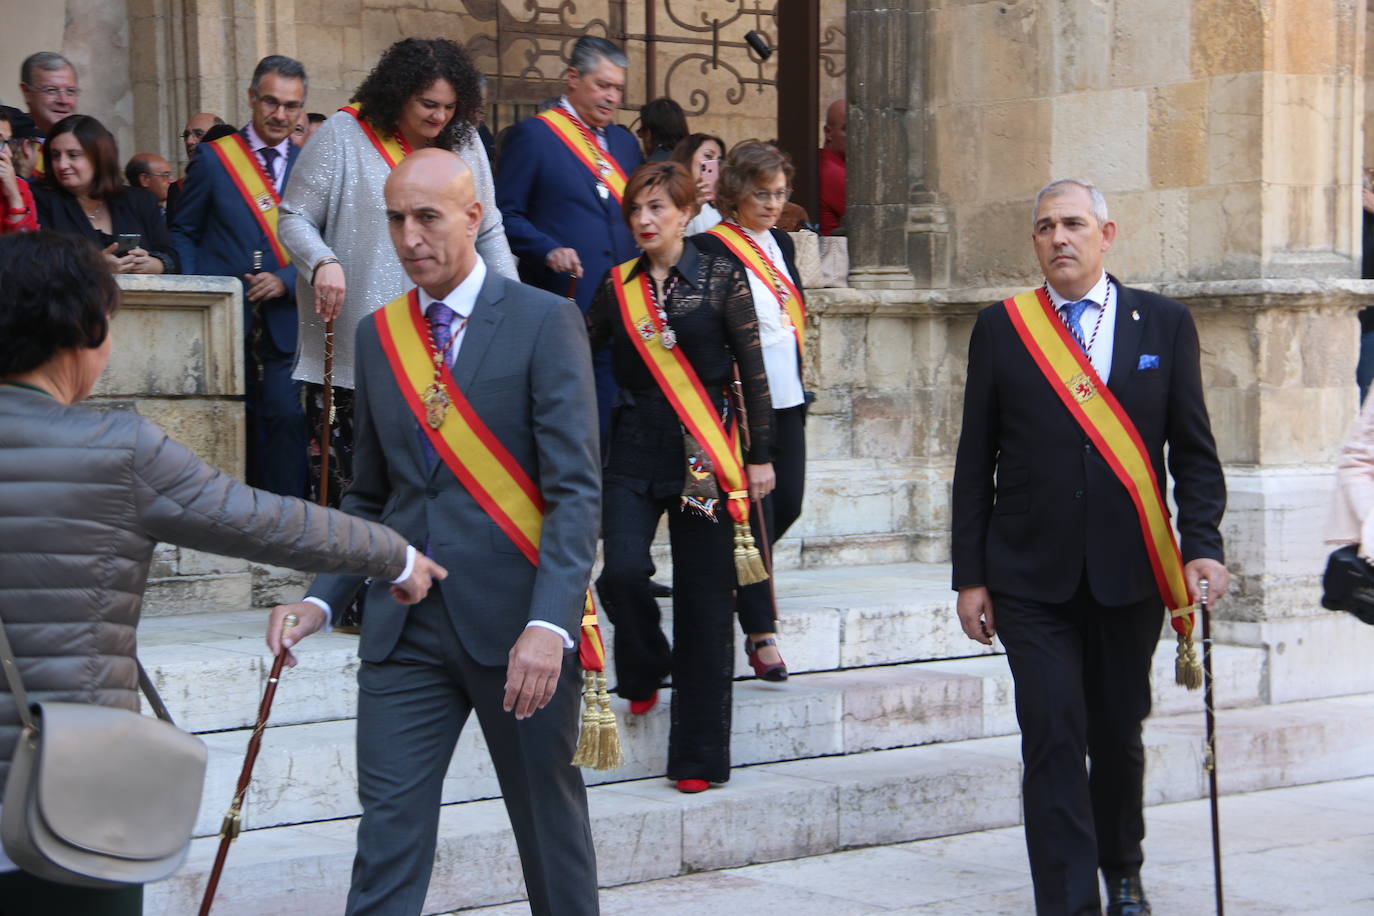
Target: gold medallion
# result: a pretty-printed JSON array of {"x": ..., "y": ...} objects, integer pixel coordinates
[
  {"x": 436, "y": 405},
  {"x": 1082, "y": 388}
]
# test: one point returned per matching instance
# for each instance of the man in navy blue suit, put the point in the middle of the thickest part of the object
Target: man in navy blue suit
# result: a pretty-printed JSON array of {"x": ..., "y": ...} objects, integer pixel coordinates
[
  {"x": 561, "y": 209},
  {"x": 225, "y": 225},
  {"x": 1048, "y": 541}
]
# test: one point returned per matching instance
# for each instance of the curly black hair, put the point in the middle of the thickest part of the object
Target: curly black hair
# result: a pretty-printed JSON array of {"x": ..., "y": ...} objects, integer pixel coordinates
[
  {"x": 412, "y": 65},
  {"x": 56, "y": 293}
]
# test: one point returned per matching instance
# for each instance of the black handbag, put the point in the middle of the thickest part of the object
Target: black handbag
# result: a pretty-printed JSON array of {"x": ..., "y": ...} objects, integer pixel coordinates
[{"x": 1348, "y": 584}]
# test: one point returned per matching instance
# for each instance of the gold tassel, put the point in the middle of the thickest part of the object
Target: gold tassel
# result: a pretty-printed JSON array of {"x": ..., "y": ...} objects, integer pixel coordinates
[
  {"x": 589, "y": 738},
  {"x": 1187, "y": 668},
  {"x": 609, "y": 755},
  {"x": 749, "y": 566}
]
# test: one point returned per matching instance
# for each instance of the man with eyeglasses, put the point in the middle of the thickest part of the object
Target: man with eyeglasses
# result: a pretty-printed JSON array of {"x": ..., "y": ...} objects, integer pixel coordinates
[
  {"x": 152, "y": 173},
  {"x": 48, "y": 82},
  {"x": 225, "y": 224}
]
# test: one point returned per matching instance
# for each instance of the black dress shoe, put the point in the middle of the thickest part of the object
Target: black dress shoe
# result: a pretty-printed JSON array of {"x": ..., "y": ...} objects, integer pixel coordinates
[
  {"x": 1126, "y": 897},
  {"x": 659, "y": 590}
]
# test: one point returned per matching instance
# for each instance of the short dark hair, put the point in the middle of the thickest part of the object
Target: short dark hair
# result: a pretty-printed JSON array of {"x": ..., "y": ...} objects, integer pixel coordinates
[
  {"x": 665, "y": 121},
  {"x": 688, "y": 146},
  {"x": 281, "y": 65},
  {"x": 56, "y": 293},
  {"x": 136, "y": 168},
  {"x": 411, "y": 66},
  {"x": 42, "y": 60},
  {"x": 218, "y": 132},
  {"x": 748, "y": 163},
  {"x": 314, "y": 117},
  {"x": 670, "y": 176},
  {"x": 99, "y": 146}
]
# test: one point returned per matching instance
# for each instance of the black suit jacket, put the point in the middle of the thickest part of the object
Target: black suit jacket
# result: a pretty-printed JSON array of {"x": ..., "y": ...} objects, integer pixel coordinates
[
  {"x": 131, "y": 210},
  {"x": 708, "y": 242},
  {"x": 1035, "y": 503}
]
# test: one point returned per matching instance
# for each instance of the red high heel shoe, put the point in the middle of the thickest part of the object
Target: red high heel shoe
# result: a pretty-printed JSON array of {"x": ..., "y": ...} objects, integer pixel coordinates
[
  {"x": 641, "y": 707},
  {"x": 767, "y": 672},
  {"x": 692, "y": 786}
]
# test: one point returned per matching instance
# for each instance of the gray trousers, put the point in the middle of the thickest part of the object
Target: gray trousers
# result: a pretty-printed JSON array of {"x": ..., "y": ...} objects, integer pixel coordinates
[{"x": 411, "y": 709}]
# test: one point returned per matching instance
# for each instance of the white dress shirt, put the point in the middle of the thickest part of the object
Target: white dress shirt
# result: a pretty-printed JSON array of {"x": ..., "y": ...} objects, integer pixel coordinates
[
  {"x": 278, "y": 170},
  {"x": 1100, "y": 335},
  {"x": 780, "y": 357},
  {"x": 598, "y": 132}
]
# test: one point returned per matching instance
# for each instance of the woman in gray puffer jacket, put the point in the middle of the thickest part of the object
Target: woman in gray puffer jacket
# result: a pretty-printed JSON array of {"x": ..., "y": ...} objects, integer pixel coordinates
[{"x": 85, "y": 495}]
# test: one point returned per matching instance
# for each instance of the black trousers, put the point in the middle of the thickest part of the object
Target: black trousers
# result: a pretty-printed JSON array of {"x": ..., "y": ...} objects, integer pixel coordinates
[
  {"x": 1082, "y": 675},
  {"x": 780, "y": 509},
  {"x": 277, "y": 438},
  {"x": 701, "y": 658},
  {"x": 21, "y": 894},
  {"x": 411, "y": 709}
]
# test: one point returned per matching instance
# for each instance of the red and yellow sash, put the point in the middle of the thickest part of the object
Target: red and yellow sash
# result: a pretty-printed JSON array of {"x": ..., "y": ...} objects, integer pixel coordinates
[
  {"x": 259, "y": 194},
  {"x": 1067, "y": 368},
  {"x": 392, "y": 148},
  {"x": 469, "y": 448},
  {"x": 577, "y": 138},
  {"x": 776, "y": 279},
  {"x": 679, "y": 383}
]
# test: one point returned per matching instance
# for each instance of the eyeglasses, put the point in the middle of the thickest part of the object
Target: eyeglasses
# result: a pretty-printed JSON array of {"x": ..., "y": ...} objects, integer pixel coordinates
[
  {"x": 272, "y": 103},
  {"x": 766, "y": 197},
  {"x": 165, "y": 176},
  {"x": 57, "y": 92},
  {"x": 193, "y": 132}
]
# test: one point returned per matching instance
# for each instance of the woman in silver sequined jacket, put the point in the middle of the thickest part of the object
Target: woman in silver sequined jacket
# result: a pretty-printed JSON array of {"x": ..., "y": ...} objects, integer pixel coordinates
[{"x": 333, "y": 208}]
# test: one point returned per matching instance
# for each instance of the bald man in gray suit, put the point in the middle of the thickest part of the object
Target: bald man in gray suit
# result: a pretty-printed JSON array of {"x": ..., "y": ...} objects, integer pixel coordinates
[{"x": 499, "y": 637}]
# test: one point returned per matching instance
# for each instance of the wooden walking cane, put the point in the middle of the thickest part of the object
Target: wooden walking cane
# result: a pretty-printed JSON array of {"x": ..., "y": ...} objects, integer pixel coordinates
[
  {"x": 1210, "y": 758},
  {"x": 327, "y": 414},
  {"x": 229, "y": 829}
]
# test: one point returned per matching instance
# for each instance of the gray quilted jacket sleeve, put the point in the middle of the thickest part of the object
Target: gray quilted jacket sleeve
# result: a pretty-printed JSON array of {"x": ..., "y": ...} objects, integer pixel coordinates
[{"x": 182, "y": 500}]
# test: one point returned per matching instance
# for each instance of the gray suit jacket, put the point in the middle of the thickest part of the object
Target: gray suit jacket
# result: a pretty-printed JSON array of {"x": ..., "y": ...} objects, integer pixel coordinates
[{"x": 525, "y": 366}]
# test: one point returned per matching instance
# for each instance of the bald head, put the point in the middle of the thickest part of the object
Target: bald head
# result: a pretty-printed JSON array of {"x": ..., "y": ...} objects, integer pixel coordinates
[
  {"x": 836, "y": 123},
  {"x": 433, "y": 216}
]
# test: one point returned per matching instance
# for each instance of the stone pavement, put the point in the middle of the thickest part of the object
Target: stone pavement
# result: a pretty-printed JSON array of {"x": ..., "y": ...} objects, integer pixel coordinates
[{"x": 1306, "y": 849}]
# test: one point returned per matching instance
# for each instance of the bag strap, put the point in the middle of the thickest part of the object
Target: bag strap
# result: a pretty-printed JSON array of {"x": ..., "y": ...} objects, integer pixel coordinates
[{"x": 21, "y": 697}]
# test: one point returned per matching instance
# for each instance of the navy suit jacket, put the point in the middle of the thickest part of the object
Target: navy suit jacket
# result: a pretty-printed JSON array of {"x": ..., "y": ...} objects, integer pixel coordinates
[
  {"x": 548, "y": 200},
  {"x": 1035, "y": 504},
  {"x": 215, "y": 234}
]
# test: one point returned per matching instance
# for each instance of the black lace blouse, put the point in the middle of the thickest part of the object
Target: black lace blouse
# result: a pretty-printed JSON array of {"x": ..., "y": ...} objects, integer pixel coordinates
[{"x": 711, "y": 311}]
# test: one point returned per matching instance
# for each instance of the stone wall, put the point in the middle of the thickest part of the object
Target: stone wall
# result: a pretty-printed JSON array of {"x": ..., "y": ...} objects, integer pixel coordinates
[{"x": 1194, "y": 116}]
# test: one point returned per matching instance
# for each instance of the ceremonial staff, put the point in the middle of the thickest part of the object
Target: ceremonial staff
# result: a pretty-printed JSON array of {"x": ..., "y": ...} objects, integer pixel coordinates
[
  {"x": 764, "y": 544},
  {"x": 229, "y": 829},
  {"x": 327, "y": 412},
  {"x": 1210, "y": 758}
]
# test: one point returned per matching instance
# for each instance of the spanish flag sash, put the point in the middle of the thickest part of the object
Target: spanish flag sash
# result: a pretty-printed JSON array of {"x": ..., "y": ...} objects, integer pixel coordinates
[
  {"x": 694, "y": 408},
  {"x": 1069, "y": 372},
  {"x": 503, "y": 489},
  {"x": 256, "y": 189},
  {"x": 392, "y": 148},
  {"x": 578, "y": 139},
  {"x": 789, "y": 297}
]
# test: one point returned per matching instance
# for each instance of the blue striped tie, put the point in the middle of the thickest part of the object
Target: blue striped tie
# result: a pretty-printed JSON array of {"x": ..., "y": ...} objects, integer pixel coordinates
[{"x": 1072, "y": 313}]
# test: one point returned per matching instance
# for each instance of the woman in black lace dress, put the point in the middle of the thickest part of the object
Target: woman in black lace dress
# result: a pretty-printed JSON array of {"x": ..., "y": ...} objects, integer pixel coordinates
[{"x": 698, "y": 304}]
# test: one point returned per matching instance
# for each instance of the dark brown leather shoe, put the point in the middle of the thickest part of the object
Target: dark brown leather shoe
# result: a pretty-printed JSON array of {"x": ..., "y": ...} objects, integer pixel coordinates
[{"x": 1126, "y": 897}]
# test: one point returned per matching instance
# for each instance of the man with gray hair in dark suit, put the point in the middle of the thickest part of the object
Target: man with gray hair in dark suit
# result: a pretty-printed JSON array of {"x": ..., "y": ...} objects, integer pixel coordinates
[{"x": 476, "y": 439}]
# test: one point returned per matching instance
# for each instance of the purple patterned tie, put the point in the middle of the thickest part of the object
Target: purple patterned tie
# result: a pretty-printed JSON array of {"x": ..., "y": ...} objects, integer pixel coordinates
[{"x": 440, "y": 318}]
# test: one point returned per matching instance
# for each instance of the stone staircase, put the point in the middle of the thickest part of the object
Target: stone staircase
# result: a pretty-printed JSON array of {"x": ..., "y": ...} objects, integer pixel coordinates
[{"x": 893, "y": 727}]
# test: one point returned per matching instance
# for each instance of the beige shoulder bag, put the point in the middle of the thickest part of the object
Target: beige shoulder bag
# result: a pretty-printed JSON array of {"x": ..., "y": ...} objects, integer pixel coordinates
[{"x": 99, "y": 797}]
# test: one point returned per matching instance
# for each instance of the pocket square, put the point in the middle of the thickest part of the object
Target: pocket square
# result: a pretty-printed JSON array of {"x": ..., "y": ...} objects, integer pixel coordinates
[{"x": 1148, "y": 361}]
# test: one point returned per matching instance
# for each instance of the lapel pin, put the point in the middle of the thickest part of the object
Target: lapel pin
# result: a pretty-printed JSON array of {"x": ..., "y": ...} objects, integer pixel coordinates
[{"x": 1135, "y": 316}]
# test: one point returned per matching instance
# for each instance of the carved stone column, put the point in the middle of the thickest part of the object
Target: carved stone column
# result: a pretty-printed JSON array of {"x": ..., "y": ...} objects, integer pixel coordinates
[{"x": 899, "y": 233}]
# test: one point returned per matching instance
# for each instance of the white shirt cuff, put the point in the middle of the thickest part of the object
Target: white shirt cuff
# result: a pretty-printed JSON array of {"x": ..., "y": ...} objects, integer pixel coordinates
[
  {"x": 323, "y": 605},
  {"x": 567, "y": 640},
  {"x": 410, "y": 566}
]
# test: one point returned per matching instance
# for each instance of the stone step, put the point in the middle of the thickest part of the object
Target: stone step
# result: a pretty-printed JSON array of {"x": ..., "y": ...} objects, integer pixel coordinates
[
  {"x": 645, "y": 830},
  {"x": 812, "y": 715}
]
